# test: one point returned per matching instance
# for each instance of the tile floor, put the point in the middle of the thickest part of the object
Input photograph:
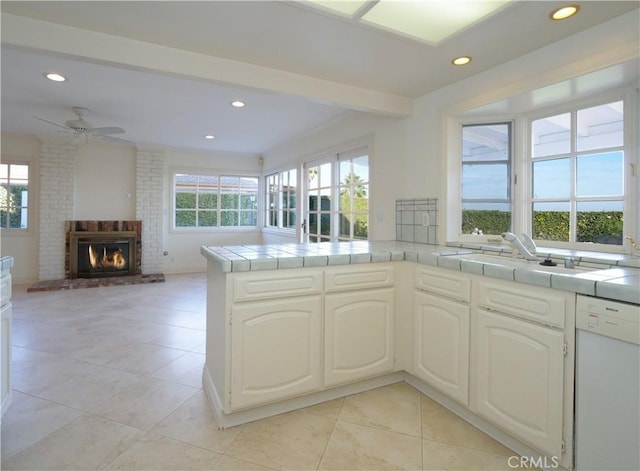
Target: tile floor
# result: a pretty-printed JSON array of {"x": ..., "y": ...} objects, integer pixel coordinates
[{"x": 110, "y": 378}]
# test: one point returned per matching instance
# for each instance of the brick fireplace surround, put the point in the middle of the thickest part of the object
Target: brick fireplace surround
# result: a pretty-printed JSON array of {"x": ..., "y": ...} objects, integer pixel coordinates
[
  {"x": 58, "y": 160},
  {"x": 99, "y": 226}
]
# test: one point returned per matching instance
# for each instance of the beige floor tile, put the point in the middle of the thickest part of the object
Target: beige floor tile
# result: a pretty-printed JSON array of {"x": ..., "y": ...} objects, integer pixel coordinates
[
  {"x": 73, "y": 383},
  {"x": 87, "y": 443},
  {"x": 441, "y": 456},
  {"x": 155, "y": 452},
  {"x": 329, "y": 409},
  {"x": 226, "y": 463},
  {"x": 180, "y": 337},
  {"x": 146, "y": 403},
  {"x": 395, "y": 408},
  {"x": 127, "y": 355},
  {"x": 292, "y": 441},
  {"x": 193, "y": 422},
  {"x": 359, "y": 447},
  {"x": 187, "y": 369},
  {"x": 128, "y": 329},
  {"x": 161, "y": 315},
  {"x": 29, "y": 420},
  {"x": 442, "y": 425}
]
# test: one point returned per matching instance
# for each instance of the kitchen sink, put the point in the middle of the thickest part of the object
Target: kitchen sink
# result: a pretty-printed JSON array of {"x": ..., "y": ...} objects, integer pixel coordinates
[{"x": 521, "y": 263}]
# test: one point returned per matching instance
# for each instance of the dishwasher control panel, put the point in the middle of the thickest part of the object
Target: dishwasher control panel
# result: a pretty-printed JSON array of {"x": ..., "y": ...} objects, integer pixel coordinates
[{"x": 613, "y": 319}]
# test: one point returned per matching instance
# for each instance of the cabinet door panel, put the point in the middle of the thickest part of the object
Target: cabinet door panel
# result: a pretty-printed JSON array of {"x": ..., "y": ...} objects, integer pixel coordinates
[
  {"x": 358, "y": 335},
  {"x": 443, "y": 282},
  {"x": 518, "y": 380},
  {"x": 441, "y": 333},
  {"x": 276, "y": 350}
]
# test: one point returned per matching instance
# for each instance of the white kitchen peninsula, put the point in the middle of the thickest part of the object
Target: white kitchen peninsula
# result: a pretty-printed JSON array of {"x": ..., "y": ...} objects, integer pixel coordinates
[
  {"x": 291, "y": 325},
  {"x": 6, "y": 264}
]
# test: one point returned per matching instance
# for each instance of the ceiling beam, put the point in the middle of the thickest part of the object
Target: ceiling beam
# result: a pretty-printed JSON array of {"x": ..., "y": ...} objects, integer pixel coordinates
[{"x": 117, "y": 51}]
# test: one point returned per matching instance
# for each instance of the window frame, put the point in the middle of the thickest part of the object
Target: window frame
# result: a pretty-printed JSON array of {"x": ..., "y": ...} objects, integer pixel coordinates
[
  {"x": 334, "y": 159},
  {"x": 630, "y": 186},
  {"x": 217, "y": 228},
  {"x": 510, "y": 163},
  {"x": 281, "y": 194},
  {"x": 30, "y": 195},
  {"x": 521, "y": 182}
]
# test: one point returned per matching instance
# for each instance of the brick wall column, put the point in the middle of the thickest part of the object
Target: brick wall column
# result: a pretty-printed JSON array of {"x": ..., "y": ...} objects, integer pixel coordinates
[
  {"x": 57, "y": 171},
  {"x": 149, "y": 200}
]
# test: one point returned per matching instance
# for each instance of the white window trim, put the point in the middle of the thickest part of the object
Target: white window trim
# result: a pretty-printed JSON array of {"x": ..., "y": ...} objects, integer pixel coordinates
[
  {"x": 334, "y": 156},
  {"x": 521, "y": 214},
  {"x": 632, "y": 218},
  {"x": 289, "y": 231},
  {"x": 32, "y": 206},
  {"x": 219, "y": 173}
]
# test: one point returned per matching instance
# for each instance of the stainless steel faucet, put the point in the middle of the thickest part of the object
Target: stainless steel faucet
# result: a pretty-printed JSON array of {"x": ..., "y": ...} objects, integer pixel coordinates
[{"x": 528, "y": 253}]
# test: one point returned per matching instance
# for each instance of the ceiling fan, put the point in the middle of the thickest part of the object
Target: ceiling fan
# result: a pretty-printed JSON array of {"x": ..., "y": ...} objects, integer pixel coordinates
[{"x": 84, "y": 129}]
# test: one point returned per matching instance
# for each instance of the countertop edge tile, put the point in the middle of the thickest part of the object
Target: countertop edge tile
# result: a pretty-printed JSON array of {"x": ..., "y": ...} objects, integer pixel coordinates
[{"x": 613, "y": 277}]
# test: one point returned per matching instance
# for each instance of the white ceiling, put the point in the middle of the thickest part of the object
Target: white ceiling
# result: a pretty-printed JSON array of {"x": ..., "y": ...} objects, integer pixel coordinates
[{"x": 296, "y": 67}]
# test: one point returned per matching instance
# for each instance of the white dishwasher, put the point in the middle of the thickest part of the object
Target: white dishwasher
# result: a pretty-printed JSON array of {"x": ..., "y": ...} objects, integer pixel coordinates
[{"x": 607, "y": 419}]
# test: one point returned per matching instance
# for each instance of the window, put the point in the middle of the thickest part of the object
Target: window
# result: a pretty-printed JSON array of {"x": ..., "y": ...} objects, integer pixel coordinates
[
  {"x": 354, "y": 198},
  {"x": 14, "y": 196},
  {"x": 486, "y": 170},
  {"x": 281, "y": 198},
  {"x": 215, "y": 201},
  {"x": 338, "y": 197},
  {"x": 577, "y": 174}
]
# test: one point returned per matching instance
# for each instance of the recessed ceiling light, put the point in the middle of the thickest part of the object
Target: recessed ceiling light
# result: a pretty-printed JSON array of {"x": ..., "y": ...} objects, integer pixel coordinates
[
  {"x": 462, "y": 60},
  {"x": 209, "y": 136},
  {"x": 55, "y": 77},
  {"x": 237, "y": 103},
  {"x": 563, "y": 13}
]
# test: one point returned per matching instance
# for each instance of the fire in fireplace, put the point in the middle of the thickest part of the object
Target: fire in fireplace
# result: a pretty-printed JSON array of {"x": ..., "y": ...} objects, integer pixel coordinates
[{"x": 100, "y": 254}]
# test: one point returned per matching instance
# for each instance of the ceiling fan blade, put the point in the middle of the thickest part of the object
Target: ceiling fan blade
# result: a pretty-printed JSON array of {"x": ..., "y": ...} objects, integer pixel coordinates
[
  {"x": 51, "y": 122},
  {"x": 115, "y": 139},
  {"x": 108, "y": 130}
]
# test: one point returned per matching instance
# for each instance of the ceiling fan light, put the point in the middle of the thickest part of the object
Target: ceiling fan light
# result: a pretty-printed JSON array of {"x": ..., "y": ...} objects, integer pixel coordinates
[
  {"x": 55, "y": 77},
  {"x": 564, "y": 12},
  {"x": 462, "y": 60}
]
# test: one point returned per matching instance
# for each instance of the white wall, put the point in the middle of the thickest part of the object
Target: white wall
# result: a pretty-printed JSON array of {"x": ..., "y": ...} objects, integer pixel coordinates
[
  {"x": 21, "y": 245},
  {"x": 105, "y": 188},
  {"x": 183, "y": 247},
  {"x": 410, "y": 156},
  {"x": 105, "y": 182},
  {"x": 387, "y": 141}
]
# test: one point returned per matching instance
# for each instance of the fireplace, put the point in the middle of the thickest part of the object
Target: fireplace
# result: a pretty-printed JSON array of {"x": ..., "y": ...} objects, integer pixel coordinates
[
  {"x": 100, "y": 254},
  {"x": 103, "y": 249}
]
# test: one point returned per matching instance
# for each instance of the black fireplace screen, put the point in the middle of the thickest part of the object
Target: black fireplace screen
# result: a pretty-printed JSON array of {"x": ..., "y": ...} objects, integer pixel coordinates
[
  {"x": 103, "y": 258},
  {"x": 99, "y": 254}
]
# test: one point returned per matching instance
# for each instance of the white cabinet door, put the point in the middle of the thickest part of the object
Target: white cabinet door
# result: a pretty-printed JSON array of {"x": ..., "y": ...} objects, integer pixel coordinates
[
  {"x": 358, "y": 335},
  {"x": 275, "y": 350},
  {"x": 5, "y": 357},
  {"x": 518, "y": 378},
  {"x": 441, "y": 344}
]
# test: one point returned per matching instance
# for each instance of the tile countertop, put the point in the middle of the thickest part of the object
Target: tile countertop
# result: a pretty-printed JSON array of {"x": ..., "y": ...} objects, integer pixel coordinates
[
  {"x": 6, "y": 263},
  {"x": 614, "y": 276}
]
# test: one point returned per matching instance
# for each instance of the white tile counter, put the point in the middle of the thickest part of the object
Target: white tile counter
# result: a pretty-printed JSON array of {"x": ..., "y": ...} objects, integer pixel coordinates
[{"x": 612, "y": 276}]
